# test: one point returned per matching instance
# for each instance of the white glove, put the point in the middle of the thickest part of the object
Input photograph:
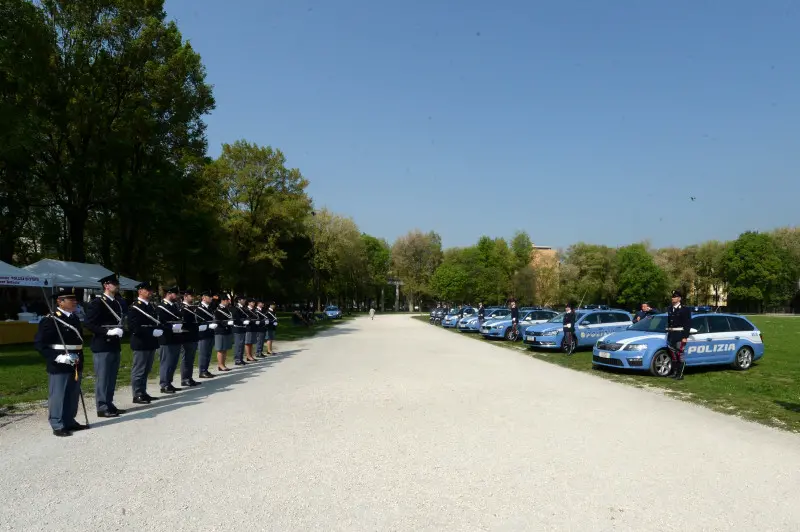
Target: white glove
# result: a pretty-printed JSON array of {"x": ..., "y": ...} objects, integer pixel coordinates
[
  {"x": 230, "y": 322},
  {"x": 213, "y": 326},
  {"x": 64, "y": 359},
  {"x": 258, "y": 322},
  {"x": 202, "y": 328},
  {"x": 73, "y": 358},
  {"x": 176, "y": 327},
  {"x": 276, "y": 321},
  {"x": 157, "y": 332},
  {"x": 246, "y": 322},
  {"x": 115, "y": 332},
  {"x": 568, "y": 326}
]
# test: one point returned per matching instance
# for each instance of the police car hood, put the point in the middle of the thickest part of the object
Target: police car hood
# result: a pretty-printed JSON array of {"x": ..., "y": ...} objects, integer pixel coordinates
[
  {"x": 634, "y": 337},
  {"x": 538, "y": 328}
]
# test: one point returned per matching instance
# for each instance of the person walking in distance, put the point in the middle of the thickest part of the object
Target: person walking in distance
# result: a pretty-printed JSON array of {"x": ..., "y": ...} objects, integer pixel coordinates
[
  {"x": 59, "y": 341},
  {"x": 514, "y": 317},
  {"x": 104, "y": 319},
  {"x": 679, "y": 326},
  {"x": 205, "y": 337},
  {"x": 223, "y": 335},
  {"x": 481, "y": 313},
  {"x": 372, "y": 312},
  {"x": 170, "y": 351},
  {"x": 272, "y": 324},
  {"x": 145, "y": 330}
]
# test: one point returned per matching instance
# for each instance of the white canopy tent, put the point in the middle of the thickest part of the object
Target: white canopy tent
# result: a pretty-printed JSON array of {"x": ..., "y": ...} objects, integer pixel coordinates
[
  {"x": 13, "y": 276},
  {"x": 77, "y": 274}
]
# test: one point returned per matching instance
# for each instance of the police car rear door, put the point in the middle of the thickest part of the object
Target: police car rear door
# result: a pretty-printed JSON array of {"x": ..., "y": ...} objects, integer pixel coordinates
[{"x": 722, "y": 338}]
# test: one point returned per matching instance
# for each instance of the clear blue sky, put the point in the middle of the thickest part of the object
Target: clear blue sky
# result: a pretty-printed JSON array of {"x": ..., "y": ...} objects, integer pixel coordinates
[{"x": 573, "y": 120}]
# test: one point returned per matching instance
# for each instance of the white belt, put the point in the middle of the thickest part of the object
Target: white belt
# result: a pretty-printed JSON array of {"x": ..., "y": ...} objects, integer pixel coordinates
[
  {"x": 62, "y": 347},
  {"x": 675, "y": 328}
]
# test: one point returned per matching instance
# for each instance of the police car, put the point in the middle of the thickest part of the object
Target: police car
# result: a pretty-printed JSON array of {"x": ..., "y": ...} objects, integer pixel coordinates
[
  {"x": 450, "y": 320},
  {"x": 715, "y": 339},
  {"x": 590, "y": 326},
  {"x": 472, "y": 324},
  {"x": 501, "y": 328}
]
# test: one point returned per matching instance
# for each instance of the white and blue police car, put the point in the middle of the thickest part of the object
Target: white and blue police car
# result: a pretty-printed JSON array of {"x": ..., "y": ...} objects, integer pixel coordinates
[
  {"x": 715, "y": 339},
  {"x": 590, "y": 326},
  {"x": 471, "y": 323},
  {"x": 501, "y": 328}
]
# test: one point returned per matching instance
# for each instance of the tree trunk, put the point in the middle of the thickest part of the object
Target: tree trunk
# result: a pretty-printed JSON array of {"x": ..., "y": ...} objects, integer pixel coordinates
[
  {"x": 396, "y": 297},
  {"x": 383, "y": 301},
  {"x": 410, "y": 301},
  {"x": 76, "y": 221}
]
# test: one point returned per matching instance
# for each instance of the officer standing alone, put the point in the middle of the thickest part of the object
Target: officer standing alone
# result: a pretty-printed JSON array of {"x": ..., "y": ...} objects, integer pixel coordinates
[
  {"x": 104, "y": 319},
  {"x": 679, "y": 326},
  {"x": 481, "y": 312},
  {"x": 568, "y": 324},
  {"x": 60, "y": 342}
]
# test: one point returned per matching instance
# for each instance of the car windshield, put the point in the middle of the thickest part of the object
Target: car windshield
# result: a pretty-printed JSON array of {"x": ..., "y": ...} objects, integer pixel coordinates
[
  {"x": 331, "y": 308},
  {"x": 651, "y": 324},
  {"x": 453, "y": 311},
  {"x": 559, "y": 318}
]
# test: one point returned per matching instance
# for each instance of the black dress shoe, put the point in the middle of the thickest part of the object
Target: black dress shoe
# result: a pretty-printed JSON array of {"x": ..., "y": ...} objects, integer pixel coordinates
[
  {"x": 261, "y": 355},
  {"x": 141, "y": 400},
  {"x": 107, "y": 414},
  {"x": 240, "y": 363},
  {"x": 167, "y": 389},
  {"x": 149, "y": 397},
  {"x": 117, "y": 410},
  {"x": 193, "y": 382},
  {"x": 77, "y": 426},
  {"x": 206, "y": 375},
  {"x": 174, "y": 389},
  {"x": 61, "y": 432}
]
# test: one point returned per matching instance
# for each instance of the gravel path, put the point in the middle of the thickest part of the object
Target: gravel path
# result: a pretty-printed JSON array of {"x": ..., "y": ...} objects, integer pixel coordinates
[{"x": 396, "y": 425}]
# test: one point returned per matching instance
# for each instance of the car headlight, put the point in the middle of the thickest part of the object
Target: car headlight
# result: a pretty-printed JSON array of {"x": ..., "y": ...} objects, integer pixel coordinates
[
  {"x": 500, "y": 326},
  {"x": 635, "y": 347},
  {"x": 552, "y": 332}
]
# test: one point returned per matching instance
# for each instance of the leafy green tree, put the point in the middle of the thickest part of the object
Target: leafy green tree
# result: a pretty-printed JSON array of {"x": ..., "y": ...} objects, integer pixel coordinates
[
  {"x": 521, "y": 247},
  {"x": 415, "y": 256},
  {"x": 588, "y": 274},
  {"x": 123, "y": 102},
  {"x": 756, "y": 273},
  {"x": 638, "y": 277},
  {"x": 449, "y": 282},
  {"x": 264, "y": 202},
  {"x": 378, "y": 261}
]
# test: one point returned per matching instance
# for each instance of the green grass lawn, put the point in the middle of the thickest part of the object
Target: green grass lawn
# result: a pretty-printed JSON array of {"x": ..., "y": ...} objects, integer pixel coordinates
[
  {"x": 23, "y": 377},
  {"x": 769, "y": 392}
]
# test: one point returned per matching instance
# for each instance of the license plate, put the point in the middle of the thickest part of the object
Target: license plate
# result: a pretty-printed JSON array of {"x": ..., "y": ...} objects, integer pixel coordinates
[
  {"x": 530, "y": 338},
  {"x": 604, "y": 354}
]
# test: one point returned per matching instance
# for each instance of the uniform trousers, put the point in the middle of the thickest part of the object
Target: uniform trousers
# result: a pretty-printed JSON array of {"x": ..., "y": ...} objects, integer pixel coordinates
[
  {"x": 140, "y": 370},
  {"x": 187, "y": 361},
  {"x": 205, "y": 346},
  {"x": 260, "y": 336},
  {"x": 168, "y": 359},
  {"x": 238, "y": 346},
  {"x": 62, "y": 399},
  {"x": 106, "y": 368}
]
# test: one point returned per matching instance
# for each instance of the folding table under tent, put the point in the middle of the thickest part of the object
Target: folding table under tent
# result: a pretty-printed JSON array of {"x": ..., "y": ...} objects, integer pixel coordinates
[{"x": 77, "y": 274}]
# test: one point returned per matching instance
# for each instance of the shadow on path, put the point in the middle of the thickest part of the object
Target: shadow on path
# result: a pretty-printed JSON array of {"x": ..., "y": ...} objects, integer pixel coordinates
[{"x": 191, "y": 396}]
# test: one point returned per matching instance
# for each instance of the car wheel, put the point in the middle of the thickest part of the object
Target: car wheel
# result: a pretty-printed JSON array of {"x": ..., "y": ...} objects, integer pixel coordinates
[
  {"x": 661, "y": 364},
  {"x": 510, "y": 334},
  {"x": 744, "y": 359}
]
